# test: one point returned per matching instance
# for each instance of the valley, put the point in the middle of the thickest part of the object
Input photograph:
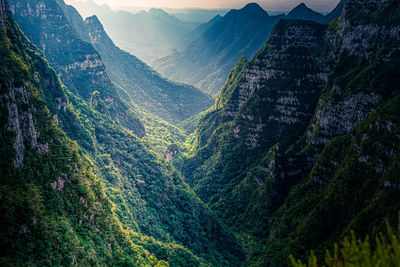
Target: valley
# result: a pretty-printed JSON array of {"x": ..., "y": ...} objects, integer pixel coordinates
[{"x": 246, "y": 139}]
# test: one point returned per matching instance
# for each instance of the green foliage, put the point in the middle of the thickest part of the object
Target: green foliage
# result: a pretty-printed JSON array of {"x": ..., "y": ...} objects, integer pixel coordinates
[
  {"x": 174, "y": 254},
  {"x": 79, "y": 222},
  {"x": 159, "y": 133},
  {"x": 53, "y": 209},
  {"x": 301, "y": 187},
  {"x": 354, "y": 252},
  {"x": 231, "y": 83}
]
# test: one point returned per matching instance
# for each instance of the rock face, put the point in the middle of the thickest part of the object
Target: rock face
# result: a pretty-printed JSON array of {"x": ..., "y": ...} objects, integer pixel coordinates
[
  {"x": 3, "y": 8},
  {"x": 172, "y": 150},
  {"x": 342, "y": 106},
  {"x": 55, "y": 37},
  {"x": 20, "y": 120},
  {"x": 275, "y": 95},
  {"x": 77, "y": 63},
  {"x": 286, "y": 141}
]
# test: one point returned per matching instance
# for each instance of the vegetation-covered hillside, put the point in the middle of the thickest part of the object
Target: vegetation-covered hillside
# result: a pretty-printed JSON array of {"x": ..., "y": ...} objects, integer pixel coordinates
[
  {"x": 301, "y": 145},
  {"x": 75, "y": 61},
  {"x": 150, "y": 197},
  {"x": 53, "y": 209},
  {"x": 299, "y": 151}
]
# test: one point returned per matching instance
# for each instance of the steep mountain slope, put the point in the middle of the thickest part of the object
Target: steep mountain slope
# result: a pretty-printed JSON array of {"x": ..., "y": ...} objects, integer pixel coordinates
[
  {"x": 302, "y": 143},
  {"x": 196, "y": 33},
  {"x": 159, "y": 133},
  {"x": 271, "y": 98},
  {"x": 168, "y": 100},
  {"x": 149, "y": 195},
  {"x": 53, "y": 209},
  {"x": 303, "y": 12},
  {"x": 76, "y": 62},
  {"x": 147, "y": 34},
  {"x": 206, "y": 61}
]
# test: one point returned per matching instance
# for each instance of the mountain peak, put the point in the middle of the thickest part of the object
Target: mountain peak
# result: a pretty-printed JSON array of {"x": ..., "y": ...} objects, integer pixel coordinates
[
  {"x": 302, "y": 11},
  {"x": 93, "y": 19},
  {"x": 252, "y": 7},
  {"x": 301, "y": 7}
]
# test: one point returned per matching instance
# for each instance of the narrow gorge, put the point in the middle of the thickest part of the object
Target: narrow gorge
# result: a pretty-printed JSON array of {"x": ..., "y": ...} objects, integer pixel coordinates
[{"x": 106, "y": 162}]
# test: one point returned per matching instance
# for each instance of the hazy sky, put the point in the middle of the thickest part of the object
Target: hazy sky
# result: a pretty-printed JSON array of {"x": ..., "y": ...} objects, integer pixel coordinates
[{"x": 274, "y": 5}]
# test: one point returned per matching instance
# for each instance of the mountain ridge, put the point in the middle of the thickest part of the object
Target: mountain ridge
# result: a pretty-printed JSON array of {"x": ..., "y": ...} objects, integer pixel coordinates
[
  {"x": 301, "y": 147},
  {"x": 224, "y": 41},
  {"x": 251, "y": 25},
  {"x": 279, "y": 186},
  {"x": 58, "y": 213}
]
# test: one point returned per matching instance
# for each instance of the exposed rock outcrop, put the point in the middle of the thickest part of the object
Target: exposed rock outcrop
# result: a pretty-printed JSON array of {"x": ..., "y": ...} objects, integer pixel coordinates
[
  {"x": 172, "y": 150},
  {"x": 21, "y": 122}
]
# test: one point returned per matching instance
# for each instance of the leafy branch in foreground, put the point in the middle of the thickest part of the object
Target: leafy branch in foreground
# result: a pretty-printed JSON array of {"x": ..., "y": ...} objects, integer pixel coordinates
[{"x": 356, "y": 253}]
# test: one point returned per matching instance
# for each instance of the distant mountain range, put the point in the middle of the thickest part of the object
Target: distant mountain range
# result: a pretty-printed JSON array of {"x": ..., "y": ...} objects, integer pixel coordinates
[
  {"x": 148, "y": 35},
  {"x": 207, "y": 60},
  {"x": 182, "y": 49},
  {"x": 224, "y": 40},
  {"x": 212, "y": 49},
  {"x": 196, "y": 14}
]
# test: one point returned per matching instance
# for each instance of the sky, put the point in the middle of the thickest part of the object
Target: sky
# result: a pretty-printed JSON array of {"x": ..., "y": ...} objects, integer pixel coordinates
[{"x": 273, "y": 5}]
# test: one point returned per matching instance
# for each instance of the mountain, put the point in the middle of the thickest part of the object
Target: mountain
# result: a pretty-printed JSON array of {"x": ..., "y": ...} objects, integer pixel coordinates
[
  {"x": 151, "y": 200},
  {"x": 239, "y": 33},
  {"x": 147, "y": 34},
  {"x": 303, "y": 12},
  {"x": 77, "y": 63},
  {"x": 302, "y": 143},
  {"x": 168, "y": 100},
  {"x": 53, "y": 209},
  {"x": 300, "y": 148},
  {"x": 206, "y": 61}
]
